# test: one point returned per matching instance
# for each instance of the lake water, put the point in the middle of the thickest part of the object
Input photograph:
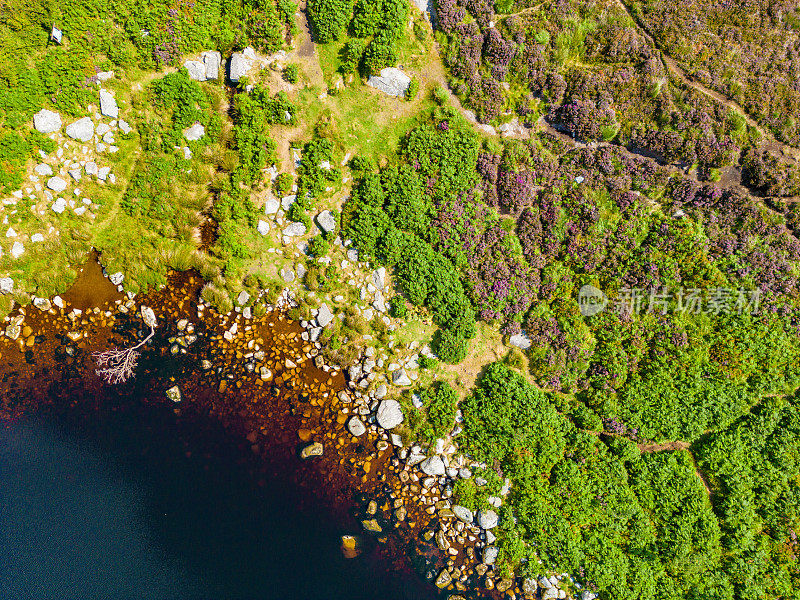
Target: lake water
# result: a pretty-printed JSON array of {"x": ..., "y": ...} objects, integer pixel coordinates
[{"x": 120, "y": 506}]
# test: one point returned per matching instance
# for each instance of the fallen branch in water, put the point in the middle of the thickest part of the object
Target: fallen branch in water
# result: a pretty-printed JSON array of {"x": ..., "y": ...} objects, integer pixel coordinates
[{"x": 117, "y": 366}]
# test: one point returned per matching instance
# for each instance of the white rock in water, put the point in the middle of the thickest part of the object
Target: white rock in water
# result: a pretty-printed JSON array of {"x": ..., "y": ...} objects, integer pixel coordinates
[
  {"x": 6, "y": 285},
  {"x": 197, "y": 70},
  {"x": 520, "y": 340},
  {"x": 324, "y": 316},
  {"x": 294, "y": 230},
  {"x": 57, "y": 184},
  {"x": 149, "y": 317},
  {"x": 59, "y": 206},
  {"x": 271, "y": 206},
  {"x": 433, "y": 466},
  {"x": 391, "y": 81},
  {"x": 389, "y": 414},
  {"x": 326, "y": 221},
  {"x": 487, "y": 519},
  {"x": 238, "y": 67},
  {"x": 212, "y": 61},
  {"x": 42, "y": 304},
  {"x": 108, "y": 105},
  {"x": 356, "y": 427},
  {"x": 82, "y": 129},
  {"x": 194, "y": 133},
  {"x": 263, "y": 227},
  {"x": 47, "y": 121},
  {"x": 490, "y": 554},
  {"x": 174, "y": 393},
  {"x": 17, "y": 250}
]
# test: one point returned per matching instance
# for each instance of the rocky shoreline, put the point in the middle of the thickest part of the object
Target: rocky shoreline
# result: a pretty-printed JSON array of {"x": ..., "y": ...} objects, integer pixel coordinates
[{"x": 268, "y": 373}]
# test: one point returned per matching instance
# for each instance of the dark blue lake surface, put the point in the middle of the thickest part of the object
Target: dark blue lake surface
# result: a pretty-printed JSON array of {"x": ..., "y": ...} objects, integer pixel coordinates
[{"x": 123, "y": 508}]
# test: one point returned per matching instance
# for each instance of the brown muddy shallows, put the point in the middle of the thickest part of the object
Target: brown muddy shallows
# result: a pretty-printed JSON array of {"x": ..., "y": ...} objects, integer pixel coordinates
[{"x": 44, "y": 371}]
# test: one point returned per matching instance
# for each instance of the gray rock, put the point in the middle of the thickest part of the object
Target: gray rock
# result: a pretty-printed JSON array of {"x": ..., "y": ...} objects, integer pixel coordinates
[
  {"x": 117, "y": 278},
  {"x": 379, "y": 303},
  {"x": 148, "y": 316},
  {"x": 314, "y": 449},
  {"x": 433, "y": 466},
  {"x": 174, "y": 393},
  {"x": 90, "y": 167},
  {"x": 242, "y": 298},
  {"x": 379, "y": 278},
  {"x": 520, "y": 340},
  {"x": 399, "y": 378},
  {"x": 294, "y": 230},
  {"x": 326, "y": 221},
  {"x": 262, "y": 227},
  {"x": 197, "y": 70},
  {"x": 490, "y": 554},
  {"x": 463, "y": 514},
  {"x": 356, "y": 427},
  {"x": 56, "y": 184},
  {"x": 487, "y": 519},
  {"x": 391, "y": 81},
  {"x": 108, "y": 105},
  {"x": 271, "y": 206},
  {"x": 194, "y": 133},
  {"x": 13, "y": 331},
  {"x": 6, "y": 285},
  {"x": 42, "y": 304},
  {"x": 287, "y": 201},
  {"x": 324, "y": 316},
  {"x": 381, "y": 392},
  {"x": 47, "y": 121},
  {"x": 102, "y": 129},
  {"x": 212, "y": 60},
  {"x": 238, "y": 67},
  {"x": 544, "y": 583},
  {"x": 300, "y": 269},
  {"x": 103, "y": 172},
  {"x": 43, "y": 169},
  {"x": 81, "y": 130},
  {"x": 443, "y": 579},
  {"x": 75, "y": 173},
  {"x": 389, "y": 414},
  {"x": 550, "y": 593},
  {"x": 124, "y": 127},
  {"x": 59, "y": 206},
  {"x": 288, "y": 275}
]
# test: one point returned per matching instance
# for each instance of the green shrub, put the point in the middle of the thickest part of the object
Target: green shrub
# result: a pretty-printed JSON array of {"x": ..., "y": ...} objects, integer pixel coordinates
[
  {"x": 290, "y": 73},
  {"x": 413, "y": 89}
]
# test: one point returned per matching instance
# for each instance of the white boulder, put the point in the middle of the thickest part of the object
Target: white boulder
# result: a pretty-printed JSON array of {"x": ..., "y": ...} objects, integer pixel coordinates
[
  {"x": 47, "y": 121},
  {"x": 108, "y": 105},
  {"x": 81, "y": 130},
  {"x": 391, "y": 81}
]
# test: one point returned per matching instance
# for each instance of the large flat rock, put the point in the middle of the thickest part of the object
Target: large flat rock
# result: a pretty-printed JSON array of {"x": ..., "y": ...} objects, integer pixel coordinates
[{"x": 391, "y": 81}]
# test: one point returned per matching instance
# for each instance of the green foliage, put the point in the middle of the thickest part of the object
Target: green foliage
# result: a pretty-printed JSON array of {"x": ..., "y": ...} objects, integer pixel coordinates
[
  {"x": 436, "y": 418},
  {"x": 413, "y": 89},
  {"x": 290, "y": 73},
  {"x": 329, "y": 19},
  {"x": 283, "y": 184}
]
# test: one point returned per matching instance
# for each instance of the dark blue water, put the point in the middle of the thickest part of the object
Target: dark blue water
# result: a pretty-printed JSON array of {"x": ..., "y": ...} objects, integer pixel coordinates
[{"x": 123, "y": 508}]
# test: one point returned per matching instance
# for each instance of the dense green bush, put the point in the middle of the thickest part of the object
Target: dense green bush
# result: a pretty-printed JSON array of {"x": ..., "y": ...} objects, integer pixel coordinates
[{"x": 329, "y": 19}]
